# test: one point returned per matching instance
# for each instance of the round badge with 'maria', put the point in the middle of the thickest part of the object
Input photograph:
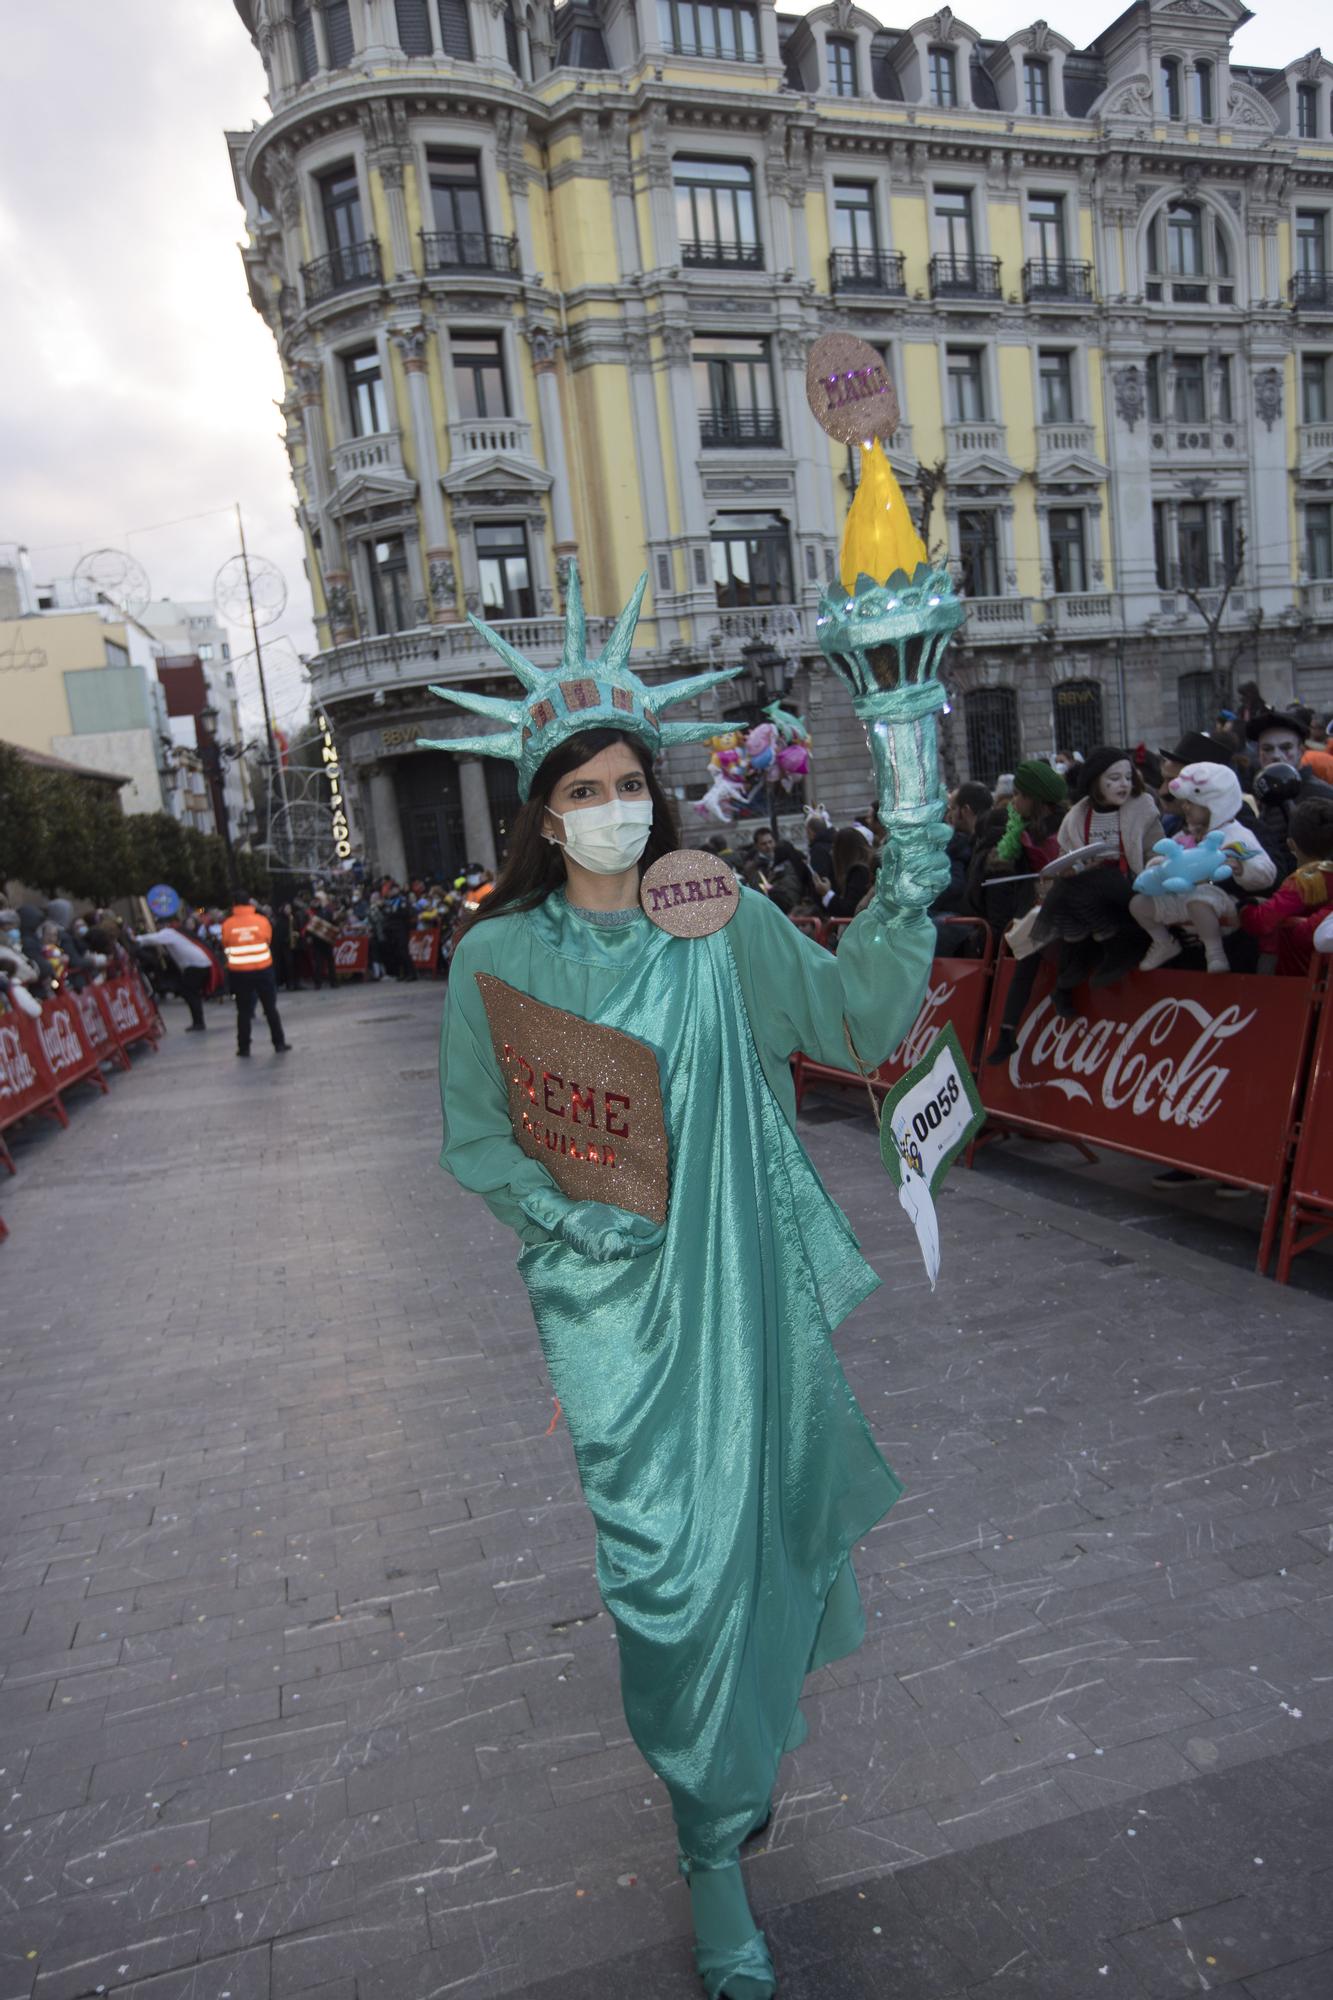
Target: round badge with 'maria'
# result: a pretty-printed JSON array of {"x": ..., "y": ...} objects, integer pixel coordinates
[
  {"x": 689, "y": 893},
  {"x": 848, "y": 390}
]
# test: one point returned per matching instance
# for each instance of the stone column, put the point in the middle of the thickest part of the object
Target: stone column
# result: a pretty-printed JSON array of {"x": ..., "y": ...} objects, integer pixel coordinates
[
  {"x": 478, "y": 834},
  {"x": 381, "y": 30},
  {"x": 661, "y": 202},
  {"x": 511, "y": 136},
  {"x": 544, "y": 347},
  {"x": 321, "y": 38},
  {"x": 385, "y": 833},
  {"x": 309, "y": 382},
  {"x": 400, "y": 236},
  {"x": 441, "y": 584}
]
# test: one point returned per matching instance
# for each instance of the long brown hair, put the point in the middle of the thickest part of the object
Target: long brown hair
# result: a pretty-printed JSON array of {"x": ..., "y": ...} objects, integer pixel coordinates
[
  {"x": 534, "y": 866},
  {"x": 850, "y": 850}
]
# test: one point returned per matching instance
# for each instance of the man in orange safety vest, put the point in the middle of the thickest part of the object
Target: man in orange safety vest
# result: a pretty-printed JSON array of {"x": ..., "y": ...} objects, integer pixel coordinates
[{"x": 247, "y": 940}]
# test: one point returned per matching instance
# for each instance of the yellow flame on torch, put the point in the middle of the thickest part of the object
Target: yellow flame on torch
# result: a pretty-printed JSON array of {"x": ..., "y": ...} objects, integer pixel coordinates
[{"x": 879, "y": 538}]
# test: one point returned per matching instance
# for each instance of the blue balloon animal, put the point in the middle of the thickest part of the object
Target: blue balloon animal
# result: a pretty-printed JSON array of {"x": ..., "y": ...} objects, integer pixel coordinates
[{"x": 1183, "y": 868}]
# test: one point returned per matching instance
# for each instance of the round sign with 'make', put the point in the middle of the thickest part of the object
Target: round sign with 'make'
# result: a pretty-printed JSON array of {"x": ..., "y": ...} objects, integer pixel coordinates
[
  {"x": 848, "y": 390},
  {"x": 689, "y": 893}
]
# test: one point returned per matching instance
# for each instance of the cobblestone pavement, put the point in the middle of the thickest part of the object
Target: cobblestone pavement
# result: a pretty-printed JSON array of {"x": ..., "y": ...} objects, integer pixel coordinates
[{"x": 307, "y": 1689}]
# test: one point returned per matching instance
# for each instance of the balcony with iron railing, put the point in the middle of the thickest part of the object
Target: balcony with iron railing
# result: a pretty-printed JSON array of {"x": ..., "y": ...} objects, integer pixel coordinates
[
  {"x": 953, "y": 277},
  {"x": 740, "y": 428},
  {"x": 468, "y": 250},
  {"x": 346, "y": 269},
  {"x": 1312, "y": 291},
  {"x": 876, "y": 271},
  {"x": 1058, "y": 281},
  {"x": 704, "y": 253}
]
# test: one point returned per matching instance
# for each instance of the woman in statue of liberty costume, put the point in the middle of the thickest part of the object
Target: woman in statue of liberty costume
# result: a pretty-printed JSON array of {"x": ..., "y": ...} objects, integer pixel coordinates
[{"x": 726, "y": 1462}]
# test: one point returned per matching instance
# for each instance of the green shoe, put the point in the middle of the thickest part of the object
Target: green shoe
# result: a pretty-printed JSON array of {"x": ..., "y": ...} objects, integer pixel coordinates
[{"x": 730, "y": 1954}]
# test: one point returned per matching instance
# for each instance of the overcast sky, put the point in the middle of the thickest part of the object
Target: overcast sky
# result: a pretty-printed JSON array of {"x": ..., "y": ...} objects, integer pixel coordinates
[{"x": 139, "y": 383}]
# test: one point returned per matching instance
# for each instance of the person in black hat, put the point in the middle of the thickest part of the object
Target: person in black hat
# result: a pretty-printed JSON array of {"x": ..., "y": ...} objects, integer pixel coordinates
[{"x": 1280, "y": 783}]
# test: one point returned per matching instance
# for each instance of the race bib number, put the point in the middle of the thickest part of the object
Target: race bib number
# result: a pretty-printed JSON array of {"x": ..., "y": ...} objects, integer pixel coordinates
[{"x": 925, "y": 1122}]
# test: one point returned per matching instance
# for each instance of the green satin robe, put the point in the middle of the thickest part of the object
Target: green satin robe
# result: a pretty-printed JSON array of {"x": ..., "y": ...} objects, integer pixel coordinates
[{"x": 728, "y": 1467}]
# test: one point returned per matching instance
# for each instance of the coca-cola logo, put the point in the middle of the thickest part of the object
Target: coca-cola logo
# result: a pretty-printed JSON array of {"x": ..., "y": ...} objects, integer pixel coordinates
[
  {"x": 16, "y": 1071},
  {"x": 60, "y": 1039},
  {"x": 1163, "y": 1063},
  {"x": 94, "y": 1025},
  {"x": 346, "y": 951},
  {"x": 916, "y": 1042},
  {"x": 123, "y": 1010}
]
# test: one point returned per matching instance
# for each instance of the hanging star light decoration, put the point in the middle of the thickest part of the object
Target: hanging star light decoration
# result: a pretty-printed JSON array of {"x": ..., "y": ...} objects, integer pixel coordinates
[{"x": 576, "y": 695}]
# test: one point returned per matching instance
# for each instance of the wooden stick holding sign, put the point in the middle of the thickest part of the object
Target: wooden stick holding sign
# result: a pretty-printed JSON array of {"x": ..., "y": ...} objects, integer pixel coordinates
[{"x": 924, "y": 1123}]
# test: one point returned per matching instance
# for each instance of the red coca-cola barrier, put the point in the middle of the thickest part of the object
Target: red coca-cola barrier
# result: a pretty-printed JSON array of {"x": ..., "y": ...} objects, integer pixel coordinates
[
  {"x": 70, "y": 1054},
  {"x": 26, "y": 1082},
  {"x": 1309, "y": 1213},
  {"x": 956, "y": 991},
  {"x": 1188, "y": 1069},
  {"x": 99, "y": 1034},
  {"x": 129, "y": 1011},
  {"x": 424, "y": 948},
  {"x": 351, "y": 954}
]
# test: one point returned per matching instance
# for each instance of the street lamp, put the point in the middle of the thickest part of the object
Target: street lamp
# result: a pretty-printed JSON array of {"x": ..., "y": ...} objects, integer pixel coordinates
[{"x": 211, "y": 752}]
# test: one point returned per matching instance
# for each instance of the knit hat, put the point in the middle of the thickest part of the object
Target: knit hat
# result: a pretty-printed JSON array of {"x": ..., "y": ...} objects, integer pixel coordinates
[
  {"x": 1196, "y": 748},
  {"x": 1040, "y": 781}
]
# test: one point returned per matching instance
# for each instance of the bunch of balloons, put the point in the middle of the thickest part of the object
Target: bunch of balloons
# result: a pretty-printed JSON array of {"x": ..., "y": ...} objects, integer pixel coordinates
[{"x": 745, "y": 764}]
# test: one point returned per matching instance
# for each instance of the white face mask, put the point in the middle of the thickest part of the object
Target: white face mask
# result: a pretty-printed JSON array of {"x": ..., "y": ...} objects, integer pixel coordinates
[{"x": 606, "y": 840}]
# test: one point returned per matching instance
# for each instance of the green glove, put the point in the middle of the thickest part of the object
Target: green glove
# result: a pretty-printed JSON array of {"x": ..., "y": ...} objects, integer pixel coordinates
[
  {"x": 900, "y": 728},
  {"x": 596, "y": 1229}
]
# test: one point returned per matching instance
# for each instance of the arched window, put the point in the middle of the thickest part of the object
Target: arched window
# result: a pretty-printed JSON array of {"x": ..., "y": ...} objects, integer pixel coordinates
[
  {"x": 1077, "y": 717},
  {"x": 1189, "y": 257},
  {"x": 991, "y": 717},
  {"x": 1170, "y": 75}
]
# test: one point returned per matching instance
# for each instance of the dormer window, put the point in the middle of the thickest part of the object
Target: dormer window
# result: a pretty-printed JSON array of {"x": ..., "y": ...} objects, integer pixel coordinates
[
  {"x": 841, "y": 66},
  {"x": 1201, "y": 93},
  {"x": 1037, "y": 87},
  {"x": 1307, "y": 111},
  {"x": 1189, "y": 260},
  {"x": 943, "y": 77},
  {"x": 1170, "y": 87}
]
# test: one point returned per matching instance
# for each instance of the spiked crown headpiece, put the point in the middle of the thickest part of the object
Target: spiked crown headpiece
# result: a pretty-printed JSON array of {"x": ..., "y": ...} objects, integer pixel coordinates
[{"x": 579, "y": 694}]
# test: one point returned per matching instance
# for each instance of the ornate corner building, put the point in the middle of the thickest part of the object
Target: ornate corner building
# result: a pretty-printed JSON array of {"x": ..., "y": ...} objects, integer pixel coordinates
[{"x": 543, "y": 280}]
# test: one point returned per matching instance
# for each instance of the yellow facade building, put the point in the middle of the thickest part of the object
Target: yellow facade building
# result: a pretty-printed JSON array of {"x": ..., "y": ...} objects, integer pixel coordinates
[{"x": 544, "y": 281}]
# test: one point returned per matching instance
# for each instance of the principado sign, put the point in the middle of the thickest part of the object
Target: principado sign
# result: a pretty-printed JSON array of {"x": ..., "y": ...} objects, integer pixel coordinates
[{"x": 342, "y": 832}]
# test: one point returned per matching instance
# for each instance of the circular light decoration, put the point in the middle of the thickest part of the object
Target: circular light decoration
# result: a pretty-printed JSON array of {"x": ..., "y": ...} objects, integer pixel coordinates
[
  {"x": 266, "y": 585},
  {"x": 113, "y": 576},
  {"x": 849, "y": 390}
]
